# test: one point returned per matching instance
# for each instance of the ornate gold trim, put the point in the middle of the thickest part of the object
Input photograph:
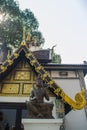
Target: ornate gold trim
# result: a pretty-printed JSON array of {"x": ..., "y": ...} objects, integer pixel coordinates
[
  {"x": 16, "y": 55},
  {"x": 3, "y": 68},
  {"x": 23, "y": 43},
  {"x": 10, "y": 61},
  {"x": 79, "y": 102}
]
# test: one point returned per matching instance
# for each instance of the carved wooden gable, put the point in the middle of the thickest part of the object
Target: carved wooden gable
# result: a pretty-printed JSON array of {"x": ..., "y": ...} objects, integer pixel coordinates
[
  {"x": 17, "y": 76},
  {"x": 19, "y": 81}
]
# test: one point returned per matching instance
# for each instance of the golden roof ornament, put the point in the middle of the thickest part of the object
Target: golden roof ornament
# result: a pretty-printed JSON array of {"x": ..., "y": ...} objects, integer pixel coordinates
[
  {"x": 28, "y": 37},
  {"x": 23, "y": 43}
]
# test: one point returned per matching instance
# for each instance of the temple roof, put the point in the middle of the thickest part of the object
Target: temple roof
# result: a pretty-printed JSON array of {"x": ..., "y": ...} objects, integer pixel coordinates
[
  {"x": 44, "y": 58},
  {"x": 71, "y": 67},
  {"x": 24, "y": 52}
]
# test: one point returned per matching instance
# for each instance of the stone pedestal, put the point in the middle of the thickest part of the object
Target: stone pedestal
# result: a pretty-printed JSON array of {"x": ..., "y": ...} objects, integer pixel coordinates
[{"x": 42, "y": 124}]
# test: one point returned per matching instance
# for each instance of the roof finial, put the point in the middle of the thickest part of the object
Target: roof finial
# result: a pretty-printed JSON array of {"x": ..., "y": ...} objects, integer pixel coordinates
[
  {"x": 29, "y": 35},
  {"x": 28, "y": 38},
  {"x": 23, "y": 41},
  {"x": 24, "y": 34}
]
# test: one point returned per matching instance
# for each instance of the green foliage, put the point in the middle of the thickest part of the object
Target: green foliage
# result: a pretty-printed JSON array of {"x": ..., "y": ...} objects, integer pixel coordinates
[
  {"x": 56, "y": 58},
  {"x": 11, "y": 32},
  {"x": 11, "y": 29},
  {"x": 28, "y": 20},
  {"x": 9, "y": 7}
]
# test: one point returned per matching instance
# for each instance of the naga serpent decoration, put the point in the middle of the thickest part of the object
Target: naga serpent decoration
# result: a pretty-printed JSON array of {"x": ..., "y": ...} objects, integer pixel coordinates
[{"x": 79, "y": 102}]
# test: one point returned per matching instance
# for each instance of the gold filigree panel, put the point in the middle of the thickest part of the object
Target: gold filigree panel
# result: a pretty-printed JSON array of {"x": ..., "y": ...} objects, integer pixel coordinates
[
  {"x": 27, "y": 88},
  {"x": 22, "y": 75},
  {"x": 10, "y": 88}
]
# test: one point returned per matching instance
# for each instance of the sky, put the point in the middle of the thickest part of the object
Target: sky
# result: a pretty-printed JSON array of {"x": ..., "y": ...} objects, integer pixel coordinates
[{"x": 63, "y": 23}]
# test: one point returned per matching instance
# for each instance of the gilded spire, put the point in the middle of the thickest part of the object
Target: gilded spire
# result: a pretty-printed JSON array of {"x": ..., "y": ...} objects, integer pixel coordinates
[
  {"x": 24, "y": 34},
  {"x": 28, "y": 36},
  {"x": 23, "y": 43}
]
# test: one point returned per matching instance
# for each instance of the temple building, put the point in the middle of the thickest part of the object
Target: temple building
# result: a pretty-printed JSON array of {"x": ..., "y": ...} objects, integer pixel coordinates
[{"x": 65, "y": 86}]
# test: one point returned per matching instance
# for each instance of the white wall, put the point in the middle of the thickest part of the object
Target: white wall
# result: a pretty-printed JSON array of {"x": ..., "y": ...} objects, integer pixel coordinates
[
  {"x": 74, "y": 120},
  {"x": 69, "y": 86}
]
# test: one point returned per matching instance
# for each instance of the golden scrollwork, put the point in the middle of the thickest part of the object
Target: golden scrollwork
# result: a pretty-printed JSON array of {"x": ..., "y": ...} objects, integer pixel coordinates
[
  {"x": 10, "y": 61},
  {"x": 27, "y": 88},
  {"x": 16, "y": 55},
  {"x": 22, "y": 75},
  {"x": 3, "y": 68},
  {"x": 28, "y": 54},
  {"x": 80, "y": 101},
  {"x": 10, "y": 88},
  {"x": 23, "y": 43}
]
